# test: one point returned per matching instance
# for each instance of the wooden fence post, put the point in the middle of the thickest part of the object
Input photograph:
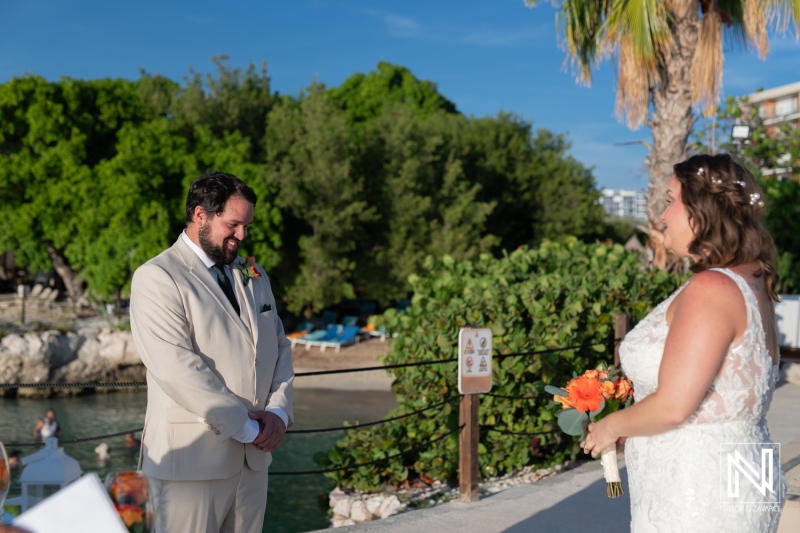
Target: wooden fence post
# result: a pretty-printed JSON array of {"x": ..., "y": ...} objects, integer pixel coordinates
[
  {"x": 468, "y": 448},
  {"x": 622, "y": 325}
]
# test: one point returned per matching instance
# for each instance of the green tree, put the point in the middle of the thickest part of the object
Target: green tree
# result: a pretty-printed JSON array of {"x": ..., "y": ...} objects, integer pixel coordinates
[
  {"x": 369, "y": 187},
  {"x": 309, "y": 160},
  {"x": 363, "y": 96},
  {"x": 539, "y": 191},
  {"x": 668, "y": 57},
  {"x": 429, "y": 204},
  {"x": 231, "y": 99},
  {"x": 94, "y": 173},
  {"x": 771, "y": 152},
  {"x": 52, "y": 136},
  {"x": 783, "y": 220}
]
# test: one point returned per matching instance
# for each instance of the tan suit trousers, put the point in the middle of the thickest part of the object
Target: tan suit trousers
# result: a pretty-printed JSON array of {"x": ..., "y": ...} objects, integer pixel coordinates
[{"x": 232, "y": 505}]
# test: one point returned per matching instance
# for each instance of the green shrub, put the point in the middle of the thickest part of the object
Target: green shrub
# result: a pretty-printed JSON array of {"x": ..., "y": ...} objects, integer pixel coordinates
[{"x": 560, "y": 295}]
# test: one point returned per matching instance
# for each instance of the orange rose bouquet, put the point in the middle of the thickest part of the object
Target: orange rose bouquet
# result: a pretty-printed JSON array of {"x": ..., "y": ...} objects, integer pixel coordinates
[
  {"x": 129, "y": 492},
  {"x": 588, "y": 398}
]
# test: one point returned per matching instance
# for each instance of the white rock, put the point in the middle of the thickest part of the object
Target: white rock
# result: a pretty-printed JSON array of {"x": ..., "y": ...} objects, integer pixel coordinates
[
  {"x": 342, "y": 508},
  {"x": 374, "y": 505},
  {"x": 390, "y": 506},
  {"x": 348, "y": 522},
  {"x": 334, "y": 497},
  {"x": 791, "y": 372},
  {"x": 89, "y": 350},
  {"x": 359, "y": 513},
  {"x": 34, "y": 351},
  {"x": 338, "y": 521},
  {"x": 112, "y": 347},
  {"x": 15, "y": 344}
]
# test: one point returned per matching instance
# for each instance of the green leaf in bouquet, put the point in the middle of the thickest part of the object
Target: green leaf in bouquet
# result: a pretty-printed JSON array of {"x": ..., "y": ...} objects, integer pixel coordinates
[
  {"x": 573, "y": 422},
  {"x": 555, "y": 391}
]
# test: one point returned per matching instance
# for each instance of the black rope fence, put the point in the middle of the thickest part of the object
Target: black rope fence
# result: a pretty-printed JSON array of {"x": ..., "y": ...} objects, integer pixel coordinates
[
  {"x": 420, "y": 446},
  {"x": 92, "y": 385},
  {"x": 498, "y": 357},
  {"x": 72, "y": 441},
  {"x": 494, "y": 429},
  {"x": 508, "y": 397},
  {"x": 368, "y": 424}
]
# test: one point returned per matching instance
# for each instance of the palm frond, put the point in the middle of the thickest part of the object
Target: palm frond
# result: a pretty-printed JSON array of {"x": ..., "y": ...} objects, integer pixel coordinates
[
  {"x": 780, "y": 13},
  {"x": 641, "y": 30},
  {"x": 707, "y": 64},
  {"x": 646, "y": 22},
  {"x": 581, "y": 22},
  {"x": 755, "y": 25},
  {"x": 633, "y": 85}
]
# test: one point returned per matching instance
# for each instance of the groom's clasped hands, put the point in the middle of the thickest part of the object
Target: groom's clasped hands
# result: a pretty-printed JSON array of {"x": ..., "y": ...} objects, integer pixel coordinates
[{"x": 271, "y": 431}]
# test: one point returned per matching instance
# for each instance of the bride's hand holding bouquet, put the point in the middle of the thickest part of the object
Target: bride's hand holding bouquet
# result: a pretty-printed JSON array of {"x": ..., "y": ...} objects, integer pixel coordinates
[{"x": 585, "y": 400}]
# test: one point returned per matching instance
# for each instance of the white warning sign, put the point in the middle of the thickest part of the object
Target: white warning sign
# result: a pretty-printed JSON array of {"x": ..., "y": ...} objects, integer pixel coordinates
[{"x": 474, "y": 360}]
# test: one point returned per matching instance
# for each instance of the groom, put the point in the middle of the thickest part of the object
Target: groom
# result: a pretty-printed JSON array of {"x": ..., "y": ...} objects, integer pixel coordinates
[{"x": 219, "y": 369}]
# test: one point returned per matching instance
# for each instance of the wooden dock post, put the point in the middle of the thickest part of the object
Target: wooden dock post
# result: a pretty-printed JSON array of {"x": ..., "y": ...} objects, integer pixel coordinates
[{"x": 468, "y": 474}]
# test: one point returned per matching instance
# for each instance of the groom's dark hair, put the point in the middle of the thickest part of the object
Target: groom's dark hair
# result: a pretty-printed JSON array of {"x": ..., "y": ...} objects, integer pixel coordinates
[{"x": 211, "y": 192}]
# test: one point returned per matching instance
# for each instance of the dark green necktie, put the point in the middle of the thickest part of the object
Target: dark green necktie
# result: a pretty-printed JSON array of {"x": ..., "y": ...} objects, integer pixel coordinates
[{"x": 225, "y": 282}]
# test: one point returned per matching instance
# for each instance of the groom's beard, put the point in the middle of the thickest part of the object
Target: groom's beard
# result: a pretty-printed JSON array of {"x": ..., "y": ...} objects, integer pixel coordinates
[{"x": 219, "y": 254}]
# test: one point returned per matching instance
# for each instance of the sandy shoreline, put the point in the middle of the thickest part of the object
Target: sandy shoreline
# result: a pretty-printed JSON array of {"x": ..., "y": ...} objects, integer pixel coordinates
[{"x": 361, "y": 355}]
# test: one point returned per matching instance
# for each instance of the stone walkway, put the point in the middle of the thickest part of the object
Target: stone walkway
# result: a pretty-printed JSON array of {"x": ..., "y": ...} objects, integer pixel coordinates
[{"x": 575, "y": 500}]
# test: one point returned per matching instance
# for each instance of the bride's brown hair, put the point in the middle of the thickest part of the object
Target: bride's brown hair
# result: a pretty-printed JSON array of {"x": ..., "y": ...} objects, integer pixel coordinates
[{"x": 725, "y": 208}]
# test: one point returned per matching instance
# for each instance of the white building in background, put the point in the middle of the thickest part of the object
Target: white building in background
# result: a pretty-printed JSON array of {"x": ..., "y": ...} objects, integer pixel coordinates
[
  {"x": 625, "y": 203},
  {"x": 778, "y": 106}
]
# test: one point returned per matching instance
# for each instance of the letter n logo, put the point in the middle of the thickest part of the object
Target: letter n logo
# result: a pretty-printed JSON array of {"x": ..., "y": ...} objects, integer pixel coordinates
[{"x": 760, "y": 476}]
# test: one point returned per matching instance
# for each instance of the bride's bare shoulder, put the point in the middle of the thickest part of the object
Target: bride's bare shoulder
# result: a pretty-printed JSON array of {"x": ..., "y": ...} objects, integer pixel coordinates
[{"x": 708, "y": 293}]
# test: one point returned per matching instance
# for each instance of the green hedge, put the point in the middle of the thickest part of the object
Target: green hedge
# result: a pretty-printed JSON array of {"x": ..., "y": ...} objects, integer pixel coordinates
[{"x": 557, "y": 296}]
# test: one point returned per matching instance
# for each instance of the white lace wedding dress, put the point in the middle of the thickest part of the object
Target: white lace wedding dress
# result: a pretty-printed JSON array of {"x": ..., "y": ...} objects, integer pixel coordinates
[{"x": 679, "y": 479}]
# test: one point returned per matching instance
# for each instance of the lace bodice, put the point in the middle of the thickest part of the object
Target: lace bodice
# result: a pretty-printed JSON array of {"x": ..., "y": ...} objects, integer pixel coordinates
[
  {"x": 743, "y": 387},
  {"x": 677, "y": 479}
]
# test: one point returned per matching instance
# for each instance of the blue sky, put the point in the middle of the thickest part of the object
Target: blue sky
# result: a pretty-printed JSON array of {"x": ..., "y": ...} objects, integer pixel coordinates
[{"x": 486, "y": 56}]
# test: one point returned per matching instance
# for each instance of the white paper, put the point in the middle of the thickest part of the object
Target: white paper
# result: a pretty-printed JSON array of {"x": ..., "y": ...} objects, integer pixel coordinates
[{"x": 79, "y": 507}]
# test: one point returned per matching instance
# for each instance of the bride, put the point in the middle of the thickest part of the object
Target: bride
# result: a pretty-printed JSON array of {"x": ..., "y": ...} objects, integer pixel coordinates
[{"x": 704, "y": 364}]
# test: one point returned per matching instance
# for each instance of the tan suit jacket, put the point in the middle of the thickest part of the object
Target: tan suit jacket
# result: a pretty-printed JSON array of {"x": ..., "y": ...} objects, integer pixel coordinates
[{"x": 207, "y": 367}]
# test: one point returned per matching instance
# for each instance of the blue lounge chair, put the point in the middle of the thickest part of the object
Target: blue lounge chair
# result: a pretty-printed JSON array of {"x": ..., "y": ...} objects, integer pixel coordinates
[
  {"x": 326, "y": 335},
  {"x": 312, "y": 338},
  {"x": 349, "y": 320},
  {"x": 349, "y": 335}
]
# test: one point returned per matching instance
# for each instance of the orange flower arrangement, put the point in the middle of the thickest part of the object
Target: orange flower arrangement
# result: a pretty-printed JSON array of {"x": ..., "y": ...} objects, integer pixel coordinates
[
  {"x": 4, "y": 475},
  {"x": 129, "y": 492},
  {"x": 588, "y": 398},
  {"x": 130, "y": 514}
]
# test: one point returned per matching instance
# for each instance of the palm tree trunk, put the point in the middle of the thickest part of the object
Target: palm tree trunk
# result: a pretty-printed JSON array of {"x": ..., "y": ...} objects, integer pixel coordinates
[{"x": 672, "y": 120}]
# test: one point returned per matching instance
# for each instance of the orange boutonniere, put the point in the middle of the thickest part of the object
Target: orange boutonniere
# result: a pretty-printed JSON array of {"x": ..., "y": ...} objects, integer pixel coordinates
[{"x": 249, "y": 270}]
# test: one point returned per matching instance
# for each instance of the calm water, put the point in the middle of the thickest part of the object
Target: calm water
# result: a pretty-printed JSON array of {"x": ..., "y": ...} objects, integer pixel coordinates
[{"x": 295, "y": 504}]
